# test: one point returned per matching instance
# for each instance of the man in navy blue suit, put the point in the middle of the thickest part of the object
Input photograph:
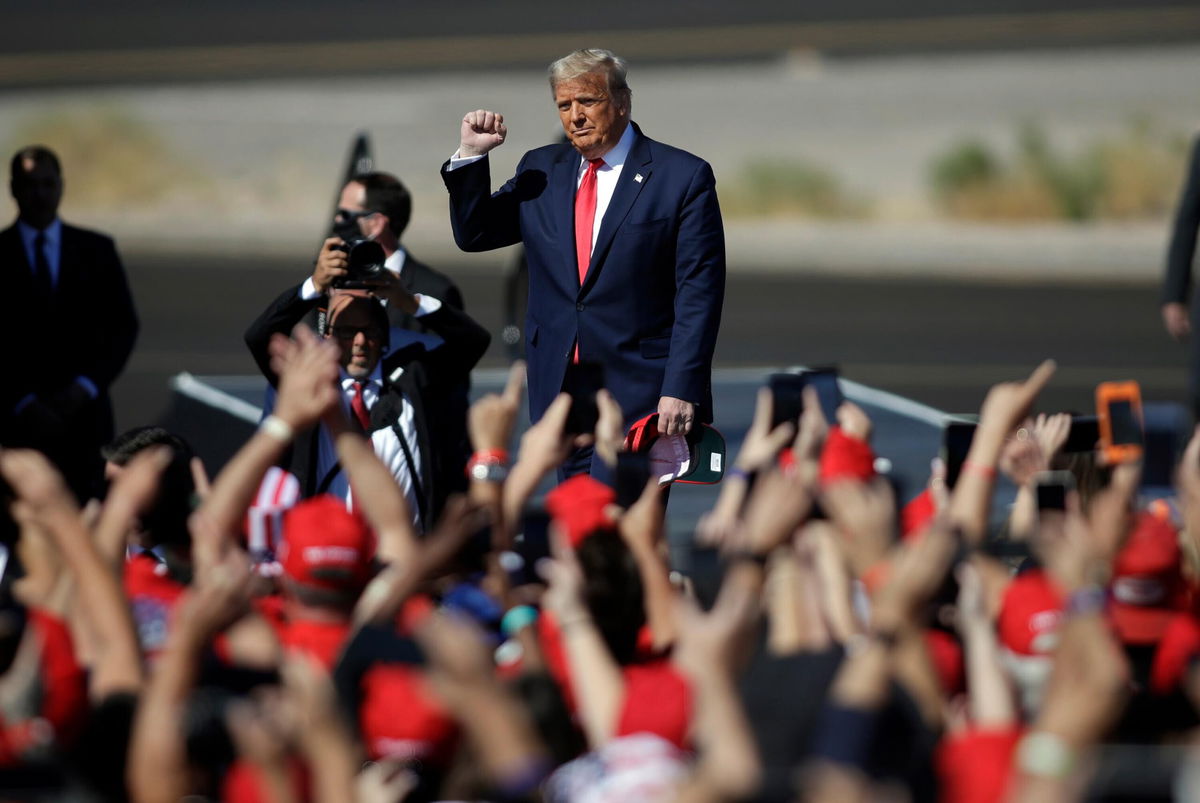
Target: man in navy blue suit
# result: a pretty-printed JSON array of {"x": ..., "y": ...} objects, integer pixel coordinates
[{"x": 624, "y": 241}]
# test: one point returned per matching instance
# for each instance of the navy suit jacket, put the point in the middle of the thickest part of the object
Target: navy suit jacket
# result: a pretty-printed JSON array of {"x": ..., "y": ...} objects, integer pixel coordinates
[{"x": 650, "y": 305}]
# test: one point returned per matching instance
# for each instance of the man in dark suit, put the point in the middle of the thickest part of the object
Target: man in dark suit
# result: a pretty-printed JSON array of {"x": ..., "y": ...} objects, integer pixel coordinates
[
  {"x": 398, "y": 396},
  {"x": 376, "y": 206},
  {"x": 1177, "y": 310},
  {"x": 624, "y": 241},
  {"x": 71, "y": 325}
]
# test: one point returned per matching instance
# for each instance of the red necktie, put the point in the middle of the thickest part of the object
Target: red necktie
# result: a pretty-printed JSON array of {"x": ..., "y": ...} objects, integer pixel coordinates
[
  {"x": 585, "y": 217},
  {"x": 359, "y": 405}
]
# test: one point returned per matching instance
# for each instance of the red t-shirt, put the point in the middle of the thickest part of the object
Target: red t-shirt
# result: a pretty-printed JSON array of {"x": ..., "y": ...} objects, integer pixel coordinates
[{"x": 152, "y": 595}]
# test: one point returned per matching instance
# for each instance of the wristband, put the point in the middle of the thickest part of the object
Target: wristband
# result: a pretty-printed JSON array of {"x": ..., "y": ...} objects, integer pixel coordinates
[
  {"x": 1087, "y": 600},
  {"x": 747, "y": 556},
  {"x": 277, "y": 428},
  {"x": 740, "y": 473},
  {"x": 566, "y": 624},
  {"x": 517, "y": 619},
  {"x": 488, "y": 465},
  {"x": 980, "y": 469},
  {"x": 1044, "y": 755},
  {"x": 490, "y": 456}
]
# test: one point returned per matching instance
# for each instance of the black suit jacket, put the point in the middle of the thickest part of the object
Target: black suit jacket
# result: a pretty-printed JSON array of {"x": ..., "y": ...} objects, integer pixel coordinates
[
  {"x": 87, "y": 330},
  {"x": 428, "y": 379},
  {"x": 1177, "y": 284}
]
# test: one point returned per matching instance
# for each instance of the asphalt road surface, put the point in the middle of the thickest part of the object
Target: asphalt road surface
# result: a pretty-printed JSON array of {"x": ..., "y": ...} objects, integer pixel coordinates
[
  {"x": 938, "y": 342},
  {"x": 75, "y": 42}
]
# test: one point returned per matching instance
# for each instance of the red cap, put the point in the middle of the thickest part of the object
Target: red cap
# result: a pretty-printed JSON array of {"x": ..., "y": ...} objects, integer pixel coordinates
[
  {"x": 1030, "y": 614},
  {"x": 578, "y": 504},
  {"x": 325, "y": 545},
  {"x": 401, "y": 718},
  {"x": 1147, "y": 585}
]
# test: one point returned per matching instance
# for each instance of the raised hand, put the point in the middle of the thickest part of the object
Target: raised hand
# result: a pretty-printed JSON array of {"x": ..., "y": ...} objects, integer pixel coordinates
[
  {"x": 1008, "y": 403},
  {"x": 762, "y": 442},
  {"x": 332, "y": 264},
  {"x": 490, "y": 420},
  {"x": 307, "y": 368},
  {"x": 1050, "y": 432},
  {"x": 481, "y": 131}
]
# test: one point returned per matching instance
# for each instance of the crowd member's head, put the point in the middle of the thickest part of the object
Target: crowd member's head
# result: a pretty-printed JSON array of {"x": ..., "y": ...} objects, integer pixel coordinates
[
  {"x": 165, "y": 523},
  {"x": 593, "y": 99},
  {"x": 327, "y": 554},
  {"x": 35, "y": 180},
  {"x": 358, "y": 324},
  {"x": 375, "y": 206}
]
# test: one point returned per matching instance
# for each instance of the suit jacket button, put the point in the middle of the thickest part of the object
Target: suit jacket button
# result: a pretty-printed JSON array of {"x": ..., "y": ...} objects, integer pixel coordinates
[{"x": 579, "y": 307}]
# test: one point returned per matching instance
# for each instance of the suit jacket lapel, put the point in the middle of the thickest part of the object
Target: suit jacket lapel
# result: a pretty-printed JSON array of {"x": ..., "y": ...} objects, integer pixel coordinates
[
  {"x": 626, "y": 192},
  {"x": 566, "y": 174}
]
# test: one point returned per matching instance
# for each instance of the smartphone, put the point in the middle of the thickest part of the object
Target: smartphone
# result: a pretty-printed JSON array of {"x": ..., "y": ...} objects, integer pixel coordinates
[
  {"x": 583, "y": 381},
  {"x": 956, "y": 442},
  {"x": 1052, "y": 488},
  {"x": 633, "y": 472},
  {"x": 1119, "y": 409},
  {"x": 787, "y": 400},
  {"x": 824, "y": 381},
  {"x": 1084, "y": 435},
  {"x": 532, "y": 544}
]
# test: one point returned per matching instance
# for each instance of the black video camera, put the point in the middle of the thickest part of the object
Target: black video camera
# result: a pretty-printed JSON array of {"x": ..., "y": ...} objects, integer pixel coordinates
[{"x": 365, "y": 268}]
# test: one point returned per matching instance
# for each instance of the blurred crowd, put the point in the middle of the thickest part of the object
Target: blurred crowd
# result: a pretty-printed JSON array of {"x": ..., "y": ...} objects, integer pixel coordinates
[{"x": 231, "y": 640}]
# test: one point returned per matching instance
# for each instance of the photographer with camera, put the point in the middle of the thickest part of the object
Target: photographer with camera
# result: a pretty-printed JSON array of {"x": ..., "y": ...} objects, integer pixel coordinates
[
  {"x": 374, "y": 210},
  {"x": 400, "y": 392}
]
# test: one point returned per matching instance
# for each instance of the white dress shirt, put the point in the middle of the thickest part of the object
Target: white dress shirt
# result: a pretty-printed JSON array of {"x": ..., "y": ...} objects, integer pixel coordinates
[{"x": 383, "y": 441}]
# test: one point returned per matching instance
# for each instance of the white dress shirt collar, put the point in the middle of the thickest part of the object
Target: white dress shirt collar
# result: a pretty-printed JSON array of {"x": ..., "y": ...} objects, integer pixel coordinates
[
  {"x": 395, "y": 263},
  {"x": 615, "y": 158}
]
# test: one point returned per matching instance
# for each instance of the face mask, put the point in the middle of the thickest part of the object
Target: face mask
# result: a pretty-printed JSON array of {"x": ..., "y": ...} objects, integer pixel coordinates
[{"x": 346, "y": 229}]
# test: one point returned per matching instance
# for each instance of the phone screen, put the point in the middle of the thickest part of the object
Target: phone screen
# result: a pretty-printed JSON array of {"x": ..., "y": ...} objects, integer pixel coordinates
[
  {"x": 1052, "y": 496},
  {"x": 956, "y": 442},
  {"x": 1125, "y": 426},
  {"x": 583, "y": 381},
  {"x": 1084, "y": 434},
  {"x": 825, "y": 382},
  {"x": 787, "y": 401},
  {"x": 532, "y": 544}
]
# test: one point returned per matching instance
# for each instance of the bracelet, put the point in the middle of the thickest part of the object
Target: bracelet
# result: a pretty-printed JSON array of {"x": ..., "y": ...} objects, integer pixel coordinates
[
  {"x": 980, "y": 469},
  {"x": 490, "y": 456},
  {"x": 1085, "y": 601},
  {"x": 747, "y": 556},
  {"x": 277, "y": 428},
  {"x": 1044, "y": 755},
  {"x": 488, "y": 465},
  {"x": 517, "y": 619},
  {"x": 737, "y": 472},
  {"x": 885, "y": 638},
  {"x": 566, "y": 624}
]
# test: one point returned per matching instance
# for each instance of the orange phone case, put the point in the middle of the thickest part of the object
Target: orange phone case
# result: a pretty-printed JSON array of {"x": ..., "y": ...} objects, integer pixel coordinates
[{"x": 1106, "y": 394}]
